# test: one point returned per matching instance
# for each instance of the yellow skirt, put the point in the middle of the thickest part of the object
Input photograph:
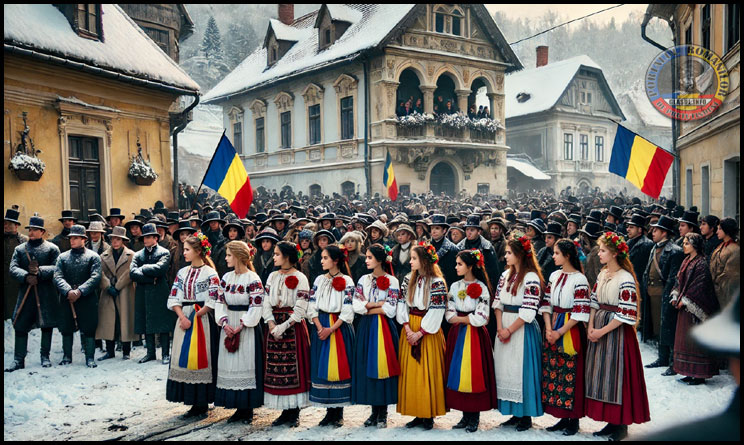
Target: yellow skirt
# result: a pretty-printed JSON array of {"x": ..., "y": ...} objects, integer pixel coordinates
[{"x": 421, "y": 384}]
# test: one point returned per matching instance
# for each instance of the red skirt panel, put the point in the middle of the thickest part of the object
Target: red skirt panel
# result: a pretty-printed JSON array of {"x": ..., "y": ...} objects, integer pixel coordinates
[{"x": 471, "y": 402}]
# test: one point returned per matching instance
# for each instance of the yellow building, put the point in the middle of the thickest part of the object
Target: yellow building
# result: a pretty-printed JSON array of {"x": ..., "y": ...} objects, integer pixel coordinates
[
  {"x": 709, "y": 148},
  {"x": 91, "y": 84}
]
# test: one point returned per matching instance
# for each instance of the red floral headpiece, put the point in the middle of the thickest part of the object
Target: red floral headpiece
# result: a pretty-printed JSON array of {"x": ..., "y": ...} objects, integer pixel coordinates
[
  {"x": 299, "y": 252},
  {"x": 618, "y": 242},
  {"x": 478, "y": 257},
  {"x": 431, "y": 251},
  {"x": 526, "y": 244},
  {"x": 204, "y": 241}
]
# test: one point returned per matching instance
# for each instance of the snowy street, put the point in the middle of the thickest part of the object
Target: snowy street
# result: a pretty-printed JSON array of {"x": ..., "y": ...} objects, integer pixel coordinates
[{"x": 126, "y": 400}]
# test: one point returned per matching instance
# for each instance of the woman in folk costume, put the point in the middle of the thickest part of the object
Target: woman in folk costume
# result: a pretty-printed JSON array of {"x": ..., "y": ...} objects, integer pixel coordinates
[
  {"x": 615, "y": 385},
  {"x": 193, "y": 368},
  {"x": 376, "y": 368},
  {"x": 565, "y": 309},
  {"x": 238, "y": 312},
  {"x": 516, "y": 352},
  {"x": 695, "y": 296},
  {"x": 287, "y": 346},
  {"x": 470, "y": 381},
  {"x": 420, "y": 310},
  {"x": 332, "y": 339}
]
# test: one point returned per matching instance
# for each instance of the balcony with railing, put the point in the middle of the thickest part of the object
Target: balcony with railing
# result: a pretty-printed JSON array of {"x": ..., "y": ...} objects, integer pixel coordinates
[{"x": 454, "y": 127}]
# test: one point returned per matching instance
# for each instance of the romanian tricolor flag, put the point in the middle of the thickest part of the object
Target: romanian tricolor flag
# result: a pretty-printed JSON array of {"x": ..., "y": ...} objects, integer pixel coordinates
[
  {"x": 194, "y": 348},
  {"x": 333, "y": 363},
  {"x": 639, "y": 161},
  {"x": 466, "y": 368},
  {"x": 227, "y": 176},
  {"x": 382, "y": 360},
  {"x": 570, "y": 341},
  {"x": 389, "y": 178}
]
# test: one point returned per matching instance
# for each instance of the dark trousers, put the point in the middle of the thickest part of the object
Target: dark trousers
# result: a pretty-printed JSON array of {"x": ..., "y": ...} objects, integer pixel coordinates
[
  {"x": 164, "y": 344},
  {"x": 21, "y": 344},
  {"x": 88, "y": 343}
]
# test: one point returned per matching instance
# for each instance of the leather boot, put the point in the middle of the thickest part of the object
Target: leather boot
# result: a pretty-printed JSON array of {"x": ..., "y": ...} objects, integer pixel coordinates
[
  {"x": 561, "y": 425},
  {"x": 20, "y": 351},
  {"x": 46, "y": 342},
  {"x": 572, "y": 428},
  {"x": 90, "y": 350},
  {"x": 150, "y": 343},
  {"x": 293, "y": 418},
  {"x": 463, "y": 422},
  {"x": 338, "y": 418},
  {"x": 17, "y": 364},
  {"x": 66, "y": 350},
  {"x": 110, "y": 348},
  {"x": 382, "y": 417},
  {"x": 282, "y": 419},
  {"x": 620, "y": 433},
  {"x": 126, "y": 350},
  {"x": 428, "y": 423},
  {"x": 372, "y": 420},
  {"x": 606, "y": 431},
  {"x": 524, "y": 424},
  {"x": 474, "y": 422},
  {"x": 330, "y": 413},
  {"x": 165, "y": 348}
]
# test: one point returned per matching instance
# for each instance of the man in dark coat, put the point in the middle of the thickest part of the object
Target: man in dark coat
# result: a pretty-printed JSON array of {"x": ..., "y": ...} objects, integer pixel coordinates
[
  {"x": 497, "y": 228},
  {"x": 708, "y": 228},
  {"x": 446, "y": 249},
  {"x": 12, "y": 240},
  {"x": 639, "y": 245},
  {"x": 212, "y": 228},
  {"x": 659, "y": 279},
  {"x": 32, "y": 265},
  {"x": 61, "y": 240},
  {"x": 535, "y": 232},
  {"x": 134, "y": 227},
  {"x": 545, "y": 256},
  {"x": 149, "y": 270},
  {"x": 77, "y": 278},
  {"x": 401, "y": 253}
]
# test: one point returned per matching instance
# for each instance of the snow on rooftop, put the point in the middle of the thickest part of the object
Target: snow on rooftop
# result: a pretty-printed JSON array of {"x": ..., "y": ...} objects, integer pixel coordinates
[
  {"x": 343, "y": 13},
  {"x": 375, "y": 22},
  {"x": 126, "y": 48},
  {"x": 545, "y": 85},
  {"x": 646, "y": 111},
  {"x": 286, "y": 32}
]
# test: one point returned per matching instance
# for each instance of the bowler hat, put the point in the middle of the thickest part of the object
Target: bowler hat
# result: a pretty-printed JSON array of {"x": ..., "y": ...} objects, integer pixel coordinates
[
  {"x": 149, "y": 229},
  {"x": 119, "y": 232},
  {"x": 592, "y": 229},
  {"x": 616, "y": 211},
  {"x": 690, "y": 218},
  {"x": 610, "y": 227},
  {"x": 537, "y": 224},
  {"x": 77, "y": 230},
  {"x": 36, "y": 222},
  {"x": 96, "y": 226},
  {"x": 172, "y": 217},
  {"x": 473, "y": 221},
  {"x": 212, "y": 216},
  {"x": 12, "y": 216},
  {"x": 183, "y": 225},
  {"x": 595, "y": 215},
  {"x": 115, "y": 213},
  {"x": 554, "y": 228},
  {"x": 67, "y": 214},
  {"x": 637, "y": 220},
  {"x": 665, "y": 223}
]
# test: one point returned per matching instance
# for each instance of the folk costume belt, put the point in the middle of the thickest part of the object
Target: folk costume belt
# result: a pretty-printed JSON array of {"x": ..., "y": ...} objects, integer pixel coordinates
[
  {"x": 608, "y": 307},
  {"x": 238, "y": 307},
  {"x": 514, "y": 309},
  {"x": 560, "y": 310}
]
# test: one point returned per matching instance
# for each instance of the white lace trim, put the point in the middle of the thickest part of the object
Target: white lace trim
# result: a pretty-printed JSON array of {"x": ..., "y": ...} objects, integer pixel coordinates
[
  {"x": 235, "y": 382},
  {"x": 291, "y": 401},
  {"x": 694, "y": 309}
]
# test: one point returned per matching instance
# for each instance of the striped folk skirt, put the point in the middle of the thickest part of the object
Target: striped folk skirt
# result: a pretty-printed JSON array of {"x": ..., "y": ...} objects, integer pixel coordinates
[
  {"x": 287, "y": 365},
  {"x": 330, "y": 364},
  {"x": 374, "y": 379},
  {"x": 614, "y": 381},
  {"x": 193, "y": 367},
  {"x": 563, "y": 371},
  {"x": 470, "y": 381},
  {"x": 421, "y": 383},
  {"x": 689, "y": 359}
]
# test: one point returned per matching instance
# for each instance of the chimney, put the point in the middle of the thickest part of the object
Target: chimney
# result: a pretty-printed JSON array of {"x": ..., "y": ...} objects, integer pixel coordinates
[
  {"x": 542, "y": 56},
  {"x": 286, "y": 13}
]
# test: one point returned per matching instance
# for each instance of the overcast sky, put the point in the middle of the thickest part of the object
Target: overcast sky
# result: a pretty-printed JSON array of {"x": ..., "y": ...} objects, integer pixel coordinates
[{"x": 569, "y": 11}]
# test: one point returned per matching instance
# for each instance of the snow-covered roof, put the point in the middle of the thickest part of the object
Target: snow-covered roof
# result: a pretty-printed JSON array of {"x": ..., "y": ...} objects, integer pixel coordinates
[
  {"x": 126, "y": 48},
  {"x": 370, "y": 25},
  {"x": 650, "y": 116},
  {"x": 286, "y": 32},
  {"x": 545, "y": 85},
  {"x": 526, "y": 168}
]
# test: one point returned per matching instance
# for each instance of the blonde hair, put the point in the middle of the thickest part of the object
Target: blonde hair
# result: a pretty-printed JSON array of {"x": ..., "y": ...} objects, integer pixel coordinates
[
  {"x": 625, "y": 264},
  {"x": 195, "y": 245},
  {"x": 428, "y": 270},
  {"x": 242, "y": 252}
]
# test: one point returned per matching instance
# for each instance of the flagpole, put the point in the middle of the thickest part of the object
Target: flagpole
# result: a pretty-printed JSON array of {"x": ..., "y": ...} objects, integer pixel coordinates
[{"x": 196, "y": 199}]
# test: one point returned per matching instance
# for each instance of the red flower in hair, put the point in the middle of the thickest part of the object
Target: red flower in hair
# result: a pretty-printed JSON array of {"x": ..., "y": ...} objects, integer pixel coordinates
[
  {"x": 383, "y": 283},
  {"x": 291, "y": 282},
  {"x": 474, "y": 290},
  {"x": 339, "y": 283}
]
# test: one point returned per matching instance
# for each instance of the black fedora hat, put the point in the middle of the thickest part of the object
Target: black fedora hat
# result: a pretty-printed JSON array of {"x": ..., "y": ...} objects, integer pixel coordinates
[
  {"x": 610, "y": 227},
  {"x": 235, "y": 225},
  {"x": 184, "y": 225},
  {"x": 67, "y": 214},
  {"x": 473, "y": 221},
  {"x": 144, "y": 215},
  {"x": 212, "y": 216},
  {"x": 537, "y": 224},
  {"x": 158, "y": 223},
  {"x": 149, "y": 229},
  {"x": 133, "y": 222},
  {"x": 554, "y": 228},
  {"x": 36, "y": 222},
  {"x": 595, "y": 215},
  {"x": 327, "y": 217},
  {"x": 637, "y": 220},
  {"x": 616, "y": 211},
  {"x": 268, "y": 233},
  {"x": 172, "y": 218},
  {"x": 535, "y": 214},
  {"x": 12, "y": 215},
  {"x": 592, "y": 229},
  {"x": 77, "y": 230},
  {"x": 574, "y": 218},
  {"x": 690, "y": 217},
  {"x": 115, "y": 213},
  {"x": 665, "y": 223}
]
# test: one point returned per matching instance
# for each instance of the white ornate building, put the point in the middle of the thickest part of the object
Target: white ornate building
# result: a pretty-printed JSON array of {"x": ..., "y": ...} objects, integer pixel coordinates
[{"x": 314, "y": 108}]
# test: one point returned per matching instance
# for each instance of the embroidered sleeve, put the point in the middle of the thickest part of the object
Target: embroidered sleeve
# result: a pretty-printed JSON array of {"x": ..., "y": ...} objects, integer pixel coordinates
[
  {"x": 497, "y": 304},
  {"x": 391, "y": 300},
  {"x": 530, "y": 298},
  {"x": 267, "y": 310},
  {"x": 480, "y": 316},
  {"x": 432, "y": 321},
  {"x": 302, "y": 299},
  {"x": 402, "y": 307},
  {"x": 627, "y": 303},
  {"x": 359, "y": 302},
  {"x": 347, "y": 309},
  {"x": 220, "y": 307},
  {"x": 176, "y": 294},
  {"x": 545, "y": 304},
  {"x": 594, "y": 301},
  {"x": 581, "y": 303},
  {"x": 256, "y": 295},
  {"x": 212, "y": 290}
]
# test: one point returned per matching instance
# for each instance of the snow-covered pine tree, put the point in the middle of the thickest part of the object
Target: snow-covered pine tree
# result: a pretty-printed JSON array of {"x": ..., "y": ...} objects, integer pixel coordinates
[
  {"x": 240, "y": 41},
  {"x": 212, "y": 43}
]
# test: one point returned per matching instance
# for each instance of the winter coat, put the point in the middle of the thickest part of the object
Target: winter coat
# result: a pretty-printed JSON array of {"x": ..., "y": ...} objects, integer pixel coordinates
[
  {"x": 61, "y": 241},
  {"x": 499, "y": 248},
  {"x": 135, "y": 244},
  {"x": 10, "y": 288},
  {"x": 724, "y": 267},
  {"x": 592, "y": 266},
  {"x": 669, "y": 263},
  {"x": 107, "y": 305},
  {"x": 102, "y": 247},
  {"x": 638, "y": 251},
  {"x": 537, "y": 244},
  {"x": 220, "y": 261},
  {"x": 311, "y": 267},
  {"x": 489, "y": 255},
  {"x": 262, "y": 271},
  {"x": 46, "y": 254},
  {"x": 178, "y": 262},
  {"x": 695, "y": 288},
  {"x": 710, "y": 246},
  {"x": 447, "y": 253},
  {"x": 149, "y": 271},
  {"x": 400, "y": 269},
  {"x": 358, "y": 267},
  {"x": 78, "y": 269},
  {"x": 545, "y": 260}
]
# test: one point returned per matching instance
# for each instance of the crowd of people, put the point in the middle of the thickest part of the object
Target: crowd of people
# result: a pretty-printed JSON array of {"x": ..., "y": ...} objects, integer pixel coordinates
[
  {"x": 525, "y": 304},
  {"x": 441, "y": 106}
]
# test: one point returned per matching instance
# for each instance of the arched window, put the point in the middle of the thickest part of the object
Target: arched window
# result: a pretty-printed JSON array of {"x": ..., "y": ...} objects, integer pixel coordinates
[
  {"x": 449, "y": 19},
  {"x": 408, "y": 90},
  {"x": 315, "y": 190},
  {"x": 347, "y": 188},
  {"x": 445, "y": 93}
]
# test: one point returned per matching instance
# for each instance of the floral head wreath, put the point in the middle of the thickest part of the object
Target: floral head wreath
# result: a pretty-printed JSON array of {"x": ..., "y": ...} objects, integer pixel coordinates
[
  {"x": 204, "y": 241},
  {"x": 618, "y": 242},
  {"x": 478, "y": 255},
  {"x": 526, "y": 245},
  {"x": 431, "y": 251},
  {"x": 300, "y": 253}
]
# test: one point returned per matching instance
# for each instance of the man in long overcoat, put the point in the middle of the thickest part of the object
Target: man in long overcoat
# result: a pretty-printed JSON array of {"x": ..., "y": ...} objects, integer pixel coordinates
[{"x": 11, "y": 240}]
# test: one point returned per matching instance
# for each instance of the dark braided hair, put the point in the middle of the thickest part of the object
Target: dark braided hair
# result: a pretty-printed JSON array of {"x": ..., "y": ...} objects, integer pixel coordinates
[
  {"x": 378, "y": 251},
  {"x": 338, "y": 256},
  {"x": 480, "y": 274},
  {"x": 289, "y": 251}
]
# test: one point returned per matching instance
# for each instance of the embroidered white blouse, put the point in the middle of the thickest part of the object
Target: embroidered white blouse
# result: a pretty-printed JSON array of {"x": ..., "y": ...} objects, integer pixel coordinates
[
  {"x": 368, "y": 292},
  {"x": 618, "y": 290},
  {"x": 244, "y": 290},
  {"x": 567, "y": 291},
  {"x": 459, "y": 301},
  {"x": 198, "y": 284},
  {"x": 324, "y": 297},
  {"x": 279, "y": 295},
  {"x": 432, "y": 300},
  {"x": 527, "y": 298}
]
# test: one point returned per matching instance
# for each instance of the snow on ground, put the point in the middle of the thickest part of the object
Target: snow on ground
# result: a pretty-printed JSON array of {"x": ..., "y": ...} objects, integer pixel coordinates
[{"x": 124, "y": 398}]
